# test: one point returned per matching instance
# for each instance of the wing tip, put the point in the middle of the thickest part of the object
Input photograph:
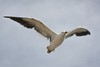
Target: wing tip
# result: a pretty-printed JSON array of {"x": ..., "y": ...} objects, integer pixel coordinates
[
  {"x": 6, "y": 16},
  {"x": 83, "y": 33},
  {"x": 88, "y": 32},
  {"x": 10, "y": 17}
]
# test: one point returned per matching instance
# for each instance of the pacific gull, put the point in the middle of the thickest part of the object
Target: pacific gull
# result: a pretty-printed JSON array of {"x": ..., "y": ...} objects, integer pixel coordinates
[{"x": 55, "y": 39}]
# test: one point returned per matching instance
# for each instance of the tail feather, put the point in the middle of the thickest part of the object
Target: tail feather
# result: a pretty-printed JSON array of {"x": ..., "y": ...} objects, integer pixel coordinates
[{"x": 49, "y": 51}]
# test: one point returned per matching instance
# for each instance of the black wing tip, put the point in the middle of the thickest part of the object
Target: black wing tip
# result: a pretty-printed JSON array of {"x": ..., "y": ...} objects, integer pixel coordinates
[
  {"x": 11, "y": 17},
  {"x": 20, "y": 20},
  {"x": 88, "y": 32},
  {"x": 83, "y": 33},
  {"x": 6, "y": 16}
]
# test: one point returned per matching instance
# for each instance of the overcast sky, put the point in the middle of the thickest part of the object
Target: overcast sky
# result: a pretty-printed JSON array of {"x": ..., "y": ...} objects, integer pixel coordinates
[{"x": 22, "y": 47}]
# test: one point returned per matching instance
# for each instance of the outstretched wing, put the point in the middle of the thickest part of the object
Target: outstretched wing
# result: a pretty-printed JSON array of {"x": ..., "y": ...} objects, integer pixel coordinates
[
  {"x": 37, "y": 25},
  {"x": 78, "y": 32}
]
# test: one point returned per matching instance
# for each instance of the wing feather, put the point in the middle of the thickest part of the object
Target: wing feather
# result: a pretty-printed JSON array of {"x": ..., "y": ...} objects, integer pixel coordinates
[
  {"x": 78, "y": 32},
  {"x": 33, "y": 23}
]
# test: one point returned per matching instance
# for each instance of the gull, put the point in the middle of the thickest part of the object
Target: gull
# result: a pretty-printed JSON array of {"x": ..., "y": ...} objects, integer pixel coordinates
[{"x": 55, "y": 39}]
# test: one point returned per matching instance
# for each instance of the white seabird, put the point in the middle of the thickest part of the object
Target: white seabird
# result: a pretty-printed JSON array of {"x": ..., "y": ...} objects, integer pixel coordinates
[{"x": 55, "y": 39}]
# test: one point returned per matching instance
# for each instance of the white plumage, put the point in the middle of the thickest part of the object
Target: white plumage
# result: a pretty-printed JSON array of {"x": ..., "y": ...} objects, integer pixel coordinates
[{"x": 55, "y": 39}]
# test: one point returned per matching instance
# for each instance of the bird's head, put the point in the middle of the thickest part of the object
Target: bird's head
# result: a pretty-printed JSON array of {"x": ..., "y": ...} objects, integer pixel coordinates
[{"x": 64, "y": 32}]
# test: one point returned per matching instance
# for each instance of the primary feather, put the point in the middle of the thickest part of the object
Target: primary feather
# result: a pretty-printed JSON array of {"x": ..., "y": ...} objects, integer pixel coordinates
[
  {"x": 78, "y": 32},
  {"x": 33, "y": 23}
]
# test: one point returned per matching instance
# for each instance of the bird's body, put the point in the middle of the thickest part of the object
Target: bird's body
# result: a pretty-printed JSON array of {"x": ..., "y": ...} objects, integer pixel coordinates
[{"x": 55, "y": 39}]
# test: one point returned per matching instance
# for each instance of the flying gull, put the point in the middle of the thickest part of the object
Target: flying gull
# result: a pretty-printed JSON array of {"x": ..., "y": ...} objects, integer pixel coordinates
[{"x": 55, "y": 39}]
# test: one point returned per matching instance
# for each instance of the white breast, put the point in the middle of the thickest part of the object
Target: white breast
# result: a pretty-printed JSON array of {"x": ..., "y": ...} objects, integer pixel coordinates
[{"x": 56, "y": 42}]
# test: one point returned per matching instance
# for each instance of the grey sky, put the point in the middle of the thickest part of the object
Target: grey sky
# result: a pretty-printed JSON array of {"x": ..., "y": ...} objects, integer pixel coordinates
[{"x": 22, "y": 47}]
